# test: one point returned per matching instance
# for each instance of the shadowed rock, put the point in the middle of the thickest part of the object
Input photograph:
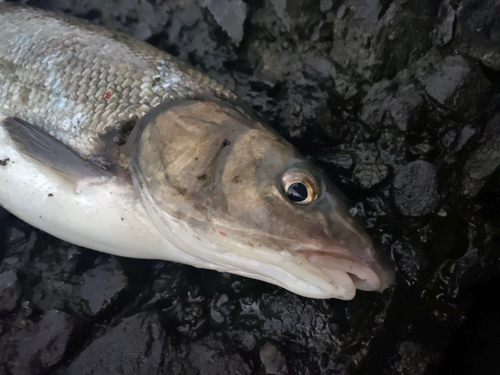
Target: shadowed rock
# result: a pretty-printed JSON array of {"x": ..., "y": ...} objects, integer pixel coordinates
[
  {"x": 34, "y": 346},
  {"x": 10, "y": 291},
  {"x": 137, "y": 344},
  {"x": 415, "y": 189}
]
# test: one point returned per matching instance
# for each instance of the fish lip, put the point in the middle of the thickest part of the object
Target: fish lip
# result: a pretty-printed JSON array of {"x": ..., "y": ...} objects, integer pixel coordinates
[{"x": 366, "y": 273}]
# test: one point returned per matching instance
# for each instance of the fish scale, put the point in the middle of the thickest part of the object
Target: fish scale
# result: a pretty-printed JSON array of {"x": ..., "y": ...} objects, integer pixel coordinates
[{"x": 81, "y": 80}]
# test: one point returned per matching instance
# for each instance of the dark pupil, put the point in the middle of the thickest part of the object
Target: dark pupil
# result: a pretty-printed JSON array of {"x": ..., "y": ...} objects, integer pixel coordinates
[{"x": 297, "y": 192}]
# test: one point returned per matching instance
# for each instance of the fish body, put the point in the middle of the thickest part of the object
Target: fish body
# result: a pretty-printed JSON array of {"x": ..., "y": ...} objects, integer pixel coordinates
[{"x": 114, "y": 145}]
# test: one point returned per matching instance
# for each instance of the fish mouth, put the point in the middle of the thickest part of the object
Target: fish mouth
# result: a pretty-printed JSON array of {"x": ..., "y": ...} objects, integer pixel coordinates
[{"x": 351, "y": 273}]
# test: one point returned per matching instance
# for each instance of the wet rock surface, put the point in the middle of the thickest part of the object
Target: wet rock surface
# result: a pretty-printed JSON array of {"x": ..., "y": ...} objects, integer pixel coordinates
[
  {"x": 33, "y": 344},
  {"x": 10, "y": 291},
  {"x": 137, "y": 343},
  {"x": 415, "y": 189},
  {"x": 273, "y": 360},
  {"x": 397, "y": 101}
]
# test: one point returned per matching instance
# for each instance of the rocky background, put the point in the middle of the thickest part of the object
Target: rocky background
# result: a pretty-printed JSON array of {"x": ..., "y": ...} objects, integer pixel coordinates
[{"x": 399, "y": 102}]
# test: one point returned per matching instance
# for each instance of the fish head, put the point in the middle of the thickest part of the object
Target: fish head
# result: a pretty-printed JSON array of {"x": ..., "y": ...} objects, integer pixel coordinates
[{"x": 236, "y": 196}]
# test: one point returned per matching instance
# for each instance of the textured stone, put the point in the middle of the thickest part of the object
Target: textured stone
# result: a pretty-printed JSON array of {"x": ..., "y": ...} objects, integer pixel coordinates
[
  {"x": 443, "y": 33},
  {"x": 415, "y": 189},
  {"x": 101, "y": 285},
  {"x": 209, "y": 355},
  {"x": 369, "y": 176},
  {"x": 3, "y": 213},
  {"x": 10, "y": 291},
  {"x": 273, "y": 360},
  {"x": 137, "y": 348},
  {"x": 34, "y": 346},
  {"x": 415, "y": 356},
  {"x": 480, "y": 166},
  {"x": 406, "y": 108},
  {"x": 230, "y": 15},
  {"x": 478, "y": 31},
  {"x": 459, "y": 85}
]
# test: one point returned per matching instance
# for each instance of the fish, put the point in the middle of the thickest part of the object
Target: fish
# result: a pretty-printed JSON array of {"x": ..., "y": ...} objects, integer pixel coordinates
[{"x": 113, "y": 145}]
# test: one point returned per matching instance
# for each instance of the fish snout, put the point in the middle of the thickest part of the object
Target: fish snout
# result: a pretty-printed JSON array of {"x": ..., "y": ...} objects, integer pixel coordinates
[{"x": 351, "y": 267}]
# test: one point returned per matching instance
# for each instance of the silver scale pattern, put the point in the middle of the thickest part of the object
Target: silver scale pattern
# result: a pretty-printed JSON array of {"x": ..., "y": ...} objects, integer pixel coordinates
[{"x": 77, "y": 80}]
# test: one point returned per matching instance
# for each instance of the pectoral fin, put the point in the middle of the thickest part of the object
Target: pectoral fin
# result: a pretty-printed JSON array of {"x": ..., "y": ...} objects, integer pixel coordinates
[{"x": 37, "y": 144}]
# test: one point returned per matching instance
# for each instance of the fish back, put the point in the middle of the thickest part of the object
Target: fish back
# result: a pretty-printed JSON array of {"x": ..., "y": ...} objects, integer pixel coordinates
[{"x": 77, "y": 80}]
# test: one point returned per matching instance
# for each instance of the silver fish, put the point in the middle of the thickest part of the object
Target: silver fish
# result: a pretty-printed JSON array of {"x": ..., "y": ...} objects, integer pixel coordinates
[{"x": 112, "y": 144}]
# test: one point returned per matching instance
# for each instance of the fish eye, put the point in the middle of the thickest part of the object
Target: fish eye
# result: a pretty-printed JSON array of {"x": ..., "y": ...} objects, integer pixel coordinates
[
  {"x": 297, "y": 192},
  {"x": 299, "y": 186}
]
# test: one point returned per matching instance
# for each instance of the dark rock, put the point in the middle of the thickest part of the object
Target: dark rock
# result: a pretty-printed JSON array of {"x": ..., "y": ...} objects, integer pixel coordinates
[
  {"x": 57, "y": 289},
  {"x": 316, "y": 325},
  {"x": 281, "y": 12},
  {"x": 3, "y": 213},
  {"x": 480, "y": 166},
  {"x": 188, "y": 317},
  {"x": 325, "y": 5},
  {"x": 244, "y": 340},
  {"x": 458, "y": 85},
  {"x": 64, "y": 286},
  {"x": 456, "y": 139},
  {"x": 478, "y": 31},
  {"x": 55, "y": 293},
  {"x": 10, "y": 291},
  {"x": 20, "y": 242},
  {"x": 101, "y": 285},
  {"x": 339, "y": 160},
  {"x": 230, "y": 15},
  {"x": 209, "y": 355},
  {"x": 492, "y": 127},
  {"x": 368, "y": 176},
  {"x": 354, "y": 26},
  {"x": 465, "y": 134},
  {"x": 415, "y": 189},
  {"x": 308, "y": 13},
  {"x": 449, "y": 138},
  {"x": 424, "y": 148},
  {"x": 169, "y": 284},
  {"x": 416, "y": 357},
  {"x": 406, "y": 108},
  {"x": 137, "y": 348},
  {"x": 220, "y": 309},
  {"x": 310, "y": 324},
  {"x": 484, "y": 160},
  {"x": 34, "y": 347},
  {"x": 443, "y": 33},
  {"x": 471, "y": 351},
  {"x": 375, "y": 103},
  {"x": 410, "y": 261},
  {"x": 273, "y": 360},
  {"x": 400, "y": 23},
  {"x": 136, "y": 18}
]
